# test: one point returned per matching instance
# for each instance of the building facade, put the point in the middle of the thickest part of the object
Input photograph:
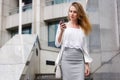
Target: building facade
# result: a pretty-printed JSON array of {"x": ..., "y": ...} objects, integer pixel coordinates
[{"x": 42, "y": 17}]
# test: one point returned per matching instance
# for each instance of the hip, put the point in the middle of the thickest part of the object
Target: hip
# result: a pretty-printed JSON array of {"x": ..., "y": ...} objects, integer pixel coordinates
[{"x": 72, "y": 54}]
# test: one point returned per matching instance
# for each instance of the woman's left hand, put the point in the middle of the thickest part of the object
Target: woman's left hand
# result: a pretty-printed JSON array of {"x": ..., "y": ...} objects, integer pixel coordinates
[{"x": 87, "y": 69}]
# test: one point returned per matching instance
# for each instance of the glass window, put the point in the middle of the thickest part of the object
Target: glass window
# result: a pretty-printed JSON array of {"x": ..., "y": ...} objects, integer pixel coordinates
[
  {"x": 27, "y": 1},
  {"x": 49, "y": 2},
  {"x": 58, "y": 1},
  {"x": 52, "y": 2},
  {"x": 25, "y": 30},
  {"x": 27, "y": 6},
  {"x": 52, "y": 28}
]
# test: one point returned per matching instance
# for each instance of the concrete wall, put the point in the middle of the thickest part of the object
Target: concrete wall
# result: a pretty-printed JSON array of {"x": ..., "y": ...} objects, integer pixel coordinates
[
  {"x": 118, "y": 8},
  {"x": 0, "y": 20},
  {"x": 105, "y": 17},
  {"x": 58, "y": 10},
  {"x": 50, "y": 56},
  {"x": 108, "y": 25},
  {"x": 13, "y": 20},
  {"x": 7, "y": 5},
  {"x": 105, "y": 60},
  {"x": 33, "y": 66}
]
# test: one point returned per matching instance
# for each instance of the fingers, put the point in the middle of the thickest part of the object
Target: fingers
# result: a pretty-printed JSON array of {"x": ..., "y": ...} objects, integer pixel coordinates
[
  {"x": 60, "y": 22},
  {"x": 87, "y": 70},
  {"x": 62, "y": 25}
]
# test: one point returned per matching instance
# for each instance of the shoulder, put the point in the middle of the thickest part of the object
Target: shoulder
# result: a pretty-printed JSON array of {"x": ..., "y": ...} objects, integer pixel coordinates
[{"x": 83, "y": 32}]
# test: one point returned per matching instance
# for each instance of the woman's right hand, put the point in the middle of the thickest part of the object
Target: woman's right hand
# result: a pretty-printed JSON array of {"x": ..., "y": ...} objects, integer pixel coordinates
[{"x": 62, "y": 26}]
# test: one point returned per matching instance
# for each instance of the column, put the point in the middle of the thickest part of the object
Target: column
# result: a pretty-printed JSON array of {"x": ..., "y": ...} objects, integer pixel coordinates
[
  {"x": 36, "y": 17},
  {"x": 0, "y": 21},
  {"x": 117, "y": 24}
]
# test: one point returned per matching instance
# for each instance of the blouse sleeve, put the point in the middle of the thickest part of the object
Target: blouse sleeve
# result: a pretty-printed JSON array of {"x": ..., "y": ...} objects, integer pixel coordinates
[
  {"x": 57, "y": 44},
  {"x": 87, "y": 57}
]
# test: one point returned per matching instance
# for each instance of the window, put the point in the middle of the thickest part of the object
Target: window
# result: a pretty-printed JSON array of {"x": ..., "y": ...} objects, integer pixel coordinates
[
  {"x": 27, "y": 1},
  {"x": 27, "y": 6},
  {"x": 52, "y": 28},
  {"x": 25, "y": 30},
  {"x": 52, "y": 2},
  {"x": 94, "y": 39}
]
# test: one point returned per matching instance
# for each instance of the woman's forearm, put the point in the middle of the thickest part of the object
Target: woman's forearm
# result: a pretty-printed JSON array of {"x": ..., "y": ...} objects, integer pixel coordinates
[{"x": 60, "y": 36}]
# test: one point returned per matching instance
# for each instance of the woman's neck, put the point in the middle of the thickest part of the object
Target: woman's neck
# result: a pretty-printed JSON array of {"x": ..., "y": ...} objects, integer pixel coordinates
[{"x": 74, "y": 24}]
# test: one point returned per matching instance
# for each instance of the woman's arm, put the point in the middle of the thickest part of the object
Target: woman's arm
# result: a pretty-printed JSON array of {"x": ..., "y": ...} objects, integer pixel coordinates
[
  {"x": 87, "y": 69},
  {"x": 59, "y": 34},
  {"x": 87, "y": 57}
]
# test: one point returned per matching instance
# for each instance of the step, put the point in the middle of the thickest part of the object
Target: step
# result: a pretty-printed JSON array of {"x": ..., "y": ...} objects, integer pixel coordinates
[{"x": 52, "y": 77}]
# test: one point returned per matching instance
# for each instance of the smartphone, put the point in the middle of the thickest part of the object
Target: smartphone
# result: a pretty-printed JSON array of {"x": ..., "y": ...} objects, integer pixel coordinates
[{"x": 62, "y": 21}]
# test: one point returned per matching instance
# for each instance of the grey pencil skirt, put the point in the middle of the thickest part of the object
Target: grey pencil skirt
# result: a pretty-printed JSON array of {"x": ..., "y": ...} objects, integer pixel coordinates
[{"x": 72, "y": 64}]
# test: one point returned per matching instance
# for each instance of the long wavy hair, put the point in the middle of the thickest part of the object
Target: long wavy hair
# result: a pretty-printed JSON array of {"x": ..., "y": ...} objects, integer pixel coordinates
[{"x": 82, "y": 18}]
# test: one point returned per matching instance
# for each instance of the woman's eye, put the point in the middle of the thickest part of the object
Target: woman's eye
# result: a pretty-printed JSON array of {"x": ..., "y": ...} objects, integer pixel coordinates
[
  {"x": 70, "y": 11},
  {"x": 75, "y": 12}
]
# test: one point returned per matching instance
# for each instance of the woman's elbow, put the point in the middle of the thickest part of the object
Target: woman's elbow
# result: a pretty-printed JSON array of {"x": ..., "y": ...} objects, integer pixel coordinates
[{"x": 57, "y": 44}]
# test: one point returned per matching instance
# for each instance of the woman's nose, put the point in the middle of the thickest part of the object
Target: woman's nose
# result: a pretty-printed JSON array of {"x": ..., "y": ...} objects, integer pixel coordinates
[{"x": 71, "y": 13}]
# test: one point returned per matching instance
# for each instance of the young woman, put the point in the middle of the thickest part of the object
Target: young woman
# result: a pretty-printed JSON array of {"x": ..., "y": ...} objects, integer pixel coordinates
[{"x": 75, "y": 58}]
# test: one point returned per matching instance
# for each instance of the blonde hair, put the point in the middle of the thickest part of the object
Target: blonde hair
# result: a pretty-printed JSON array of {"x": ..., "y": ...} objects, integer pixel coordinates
[{"x": 82, "y": 18}]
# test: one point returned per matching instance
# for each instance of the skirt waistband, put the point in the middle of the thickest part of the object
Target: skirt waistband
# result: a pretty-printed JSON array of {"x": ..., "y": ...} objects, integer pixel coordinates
[{"x": 78, "y": 49}]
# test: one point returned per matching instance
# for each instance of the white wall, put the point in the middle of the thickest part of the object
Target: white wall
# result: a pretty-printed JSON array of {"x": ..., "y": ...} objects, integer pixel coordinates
[
  {"x": 108, "y": 25},
  {"x": 47, "y": 55},
  {"x": 59, "y": 10},
  {"x": 6, "y": 6},
  {"x": 0, "y": 19},
  {"x": 106, "y": 17},
  {"x": 94, "y": 17},
  {"x": 118, "y": 2},
  {"x": 13, "y": 20}
]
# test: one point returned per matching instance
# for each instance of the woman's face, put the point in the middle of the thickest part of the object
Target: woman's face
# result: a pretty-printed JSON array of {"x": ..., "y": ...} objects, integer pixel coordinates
[{"x": 72, "y": 13}]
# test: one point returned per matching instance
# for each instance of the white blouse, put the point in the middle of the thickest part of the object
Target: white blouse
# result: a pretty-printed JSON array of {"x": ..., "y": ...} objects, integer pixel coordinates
[{"x": 74, "y": 38}]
